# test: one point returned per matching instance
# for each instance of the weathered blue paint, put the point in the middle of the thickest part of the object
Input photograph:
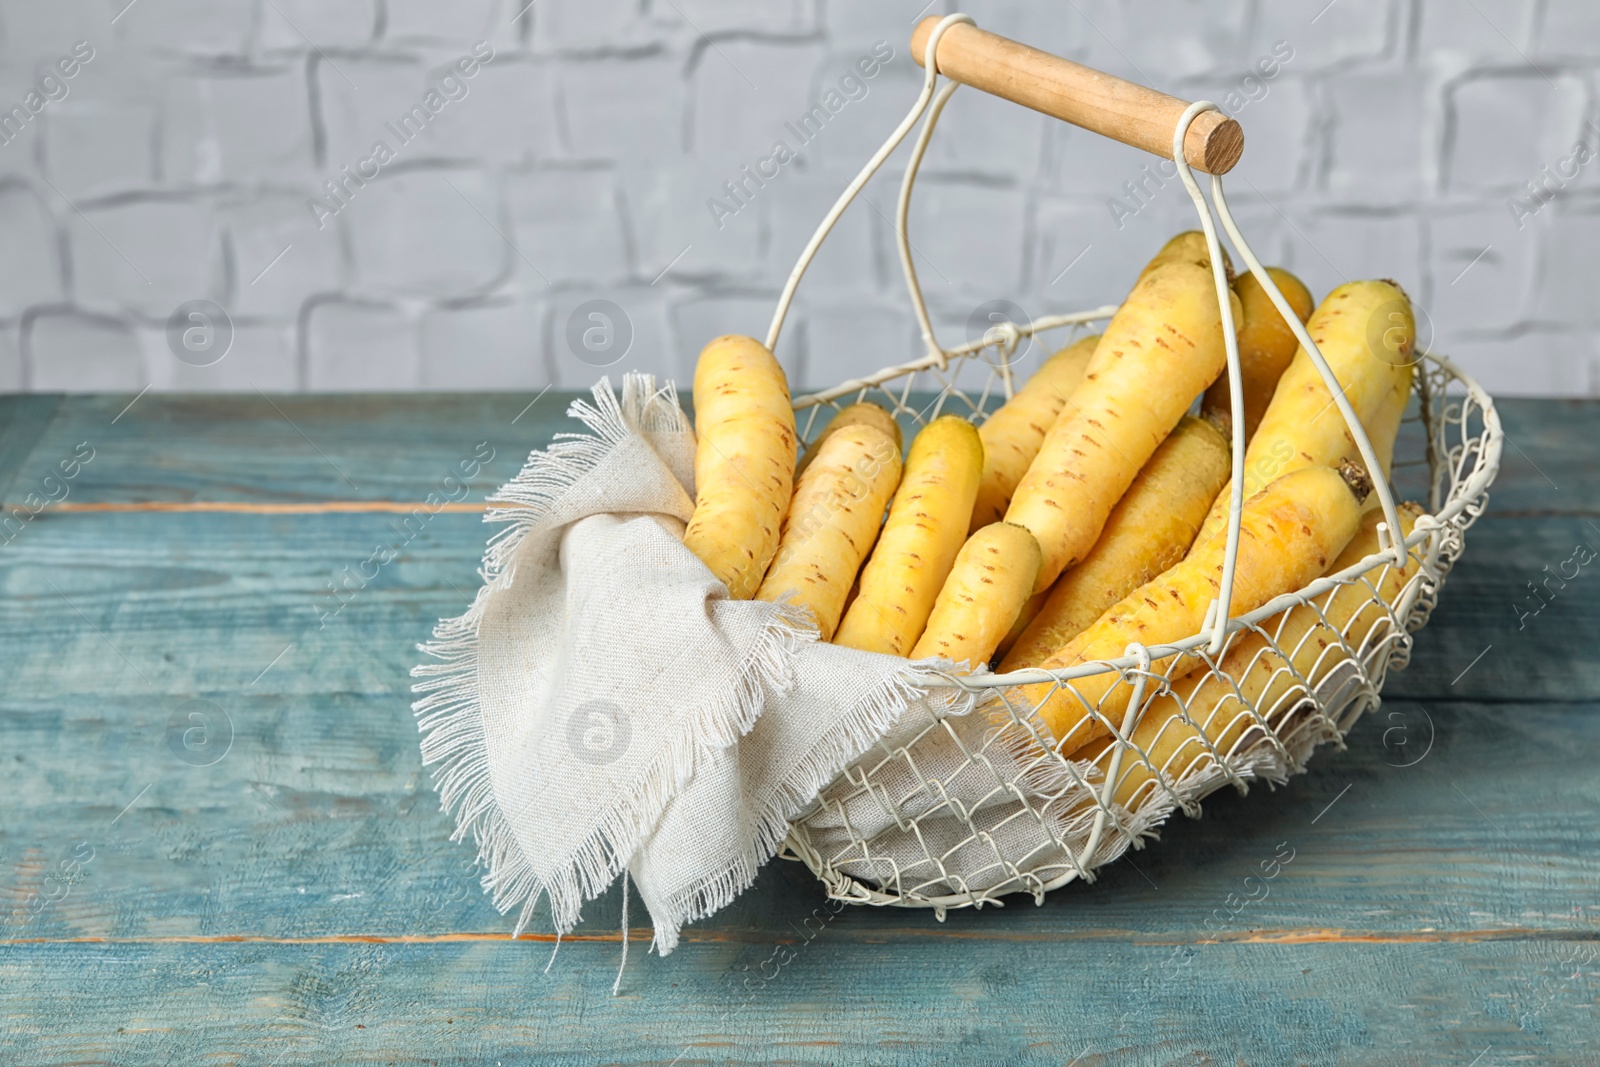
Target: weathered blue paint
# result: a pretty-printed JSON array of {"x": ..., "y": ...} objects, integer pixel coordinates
[{"x": 271, "y": 881}]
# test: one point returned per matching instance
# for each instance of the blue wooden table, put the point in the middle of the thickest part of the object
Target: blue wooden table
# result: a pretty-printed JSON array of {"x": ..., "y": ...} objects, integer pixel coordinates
[{"x": 218, "y": 846}]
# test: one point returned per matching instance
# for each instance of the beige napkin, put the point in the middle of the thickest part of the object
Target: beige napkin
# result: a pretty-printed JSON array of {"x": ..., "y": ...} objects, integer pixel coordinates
[{"x": 603, "y": 706}]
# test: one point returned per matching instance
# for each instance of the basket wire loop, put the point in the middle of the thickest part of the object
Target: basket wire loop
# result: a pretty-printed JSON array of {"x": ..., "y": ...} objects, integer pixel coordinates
[
  {"x": 1221, "y": 607},
  {"x": 1130, "y": 720},
  {"x": 1219, "y": 617},
  {"x": 930, "y": 75},
  {"x": 902, "y": 218},
  {"x": 1324, "y": 673},
  {"x": 1369, "y": 456}
]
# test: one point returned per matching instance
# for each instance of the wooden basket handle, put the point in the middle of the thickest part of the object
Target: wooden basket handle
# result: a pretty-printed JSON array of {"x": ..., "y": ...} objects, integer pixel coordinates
[{"x": 1108, "y": 105}]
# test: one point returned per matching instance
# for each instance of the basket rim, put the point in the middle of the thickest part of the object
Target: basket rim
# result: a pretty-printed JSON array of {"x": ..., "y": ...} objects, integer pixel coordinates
[{"x": 1463, "y": 494}]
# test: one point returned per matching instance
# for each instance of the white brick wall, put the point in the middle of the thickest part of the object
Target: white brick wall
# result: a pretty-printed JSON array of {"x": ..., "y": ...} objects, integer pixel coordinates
[{"x": 579, "y": 163}]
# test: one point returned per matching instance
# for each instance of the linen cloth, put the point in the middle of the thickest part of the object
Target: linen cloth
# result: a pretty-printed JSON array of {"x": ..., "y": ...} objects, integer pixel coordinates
[{"x": 603, "y": 706}]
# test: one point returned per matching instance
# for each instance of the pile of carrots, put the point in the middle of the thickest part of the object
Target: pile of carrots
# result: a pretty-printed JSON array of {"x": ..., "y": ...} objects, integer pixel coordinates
[{"x": 1087, "y": 512}]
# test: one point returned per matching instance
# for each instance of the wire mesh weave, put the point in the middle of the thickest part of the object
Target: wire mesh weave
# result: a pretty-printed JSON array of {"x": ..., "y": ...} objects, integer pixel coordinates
[{"x": 1038, "y": 822}]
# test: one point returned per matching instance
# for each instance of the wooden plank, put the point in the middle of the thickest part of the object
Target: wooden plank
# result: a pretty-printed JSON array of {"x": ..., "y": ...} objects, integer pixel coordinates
[
  {"x": 115, "y": 622},
  {"x": 400, "y": 447},
  {"x": 318, "y": 821},
  {"x": 828, "y": 1000},
  {"x": 252, "y": 584},
  {"x": 23, "y": 420},
  {"x": 1508, "y": 627},
  {"x": 292, "y": 448},
  {"x": 270, "y": 904}
]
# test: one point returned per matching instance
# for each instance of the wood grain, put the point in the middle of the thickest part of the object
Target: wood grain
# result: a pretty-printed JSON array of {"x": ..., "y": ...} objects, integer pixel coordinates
[
  {"x": 298, "y": 899},
  {"x": 1122, "y": 110},
  {"x": 399, "y": 448},
  {"x": 831, "y": 1000}
]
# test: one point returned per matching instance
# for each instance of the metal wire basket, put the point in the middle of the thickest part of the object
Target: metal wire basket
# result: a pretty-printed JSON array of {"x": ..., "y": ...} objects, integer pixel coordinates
[{"x": 960, "y": 811}]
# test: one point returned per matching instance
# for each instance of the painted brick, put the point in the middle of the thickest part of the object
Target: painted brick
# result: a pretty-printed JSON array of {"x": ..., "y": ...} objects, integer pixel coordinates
[
  {"x": 507, "y": 115},
  {"x": 291, "y": 24},
  {"x": 503, "y": 113},
  {"x": 847, "y": 339},
  {"x": 1331, "y": 247},
  {"x": 982, "y": 134},
  {"x": 496, "y": 345},
  {"x": 1177, "y": 39},
  {"x": 1279, "y": 120},
  {"x": 1083, "y": 163},
  {"x": 1569, "y": 27},
  {"x": 856, "y": 258},
  {"x": 425, "y": 232},
  {"x": 1564, "y": 290},
  {"x": 360, "y": 96},
  {"x": 146, "y": 255},
  {"x": 1482, "y": 268},
  {"x": 461, "y": 20},
  {"x": 74, "y": 352},
  {"x": 43, "y": 32},
  {"x": 848, "y": 139},
  {"x": 206, "y": 27},
  {"x": 1497, "y": 28},
  {"x": 1066, "y": 32},
  {"x": 1389, "y": 146},
  {"x": 30, "y": 256},
  {"x": 590, "y": 25},
  {"x": 1379, "y": 139},
  {"x": 1508, "y": 127},
  {"x": 671, "y": 215},
  {"x": 280, "y": 257},
  {"x": 261, "y": 356},
  {"x": 966, "y": 238},
  {"x": 353, "y": 345},
  {"x": 92, "y": 147},
  {"x": 719, "y": 16},
  {"x": 568, "y": 226},
  {"x": 1336, "y": 34},
  {"x": 238, "y": 125},
  {"x": 577, "y": 360},
  {"x": 745, "y": 91},
  {"x": 698, "y": 320},
  {"x": 1081, "y": 259},
  {"x": 859, "y": 26},
  {"x": 1532, "y": 364},
  {"x": 624, "y": 108},
  {"x": 1272, "y": 236}
]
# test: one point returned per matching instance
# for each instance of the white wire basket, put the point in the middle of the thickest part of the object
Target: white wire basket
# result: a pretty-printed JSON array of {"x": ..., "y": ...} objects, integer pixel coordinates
[{"x": 960, "y": 811}]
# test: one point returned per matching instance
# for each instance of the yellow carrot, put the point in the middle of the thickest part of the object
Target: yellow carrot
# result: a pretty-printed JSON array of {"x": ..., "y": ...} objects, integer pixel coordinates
[
  {"x": 1365, "y": 331},
  {"x": 925, "y": 529},
  {"x": 1012, "y": 435},
  {"x": 833, "y": 521},
  {"x": 1149, "y": 530},
  {"x": 991, "y": 579},
  {"x": 863, "y": 412},
  {"x": 1289, "y": 532},
  {"x": 1266, "y": 347},
  {"x": 1209, "y": 713},
  {"x": 1190, "y": 246},
  {"x": 1030, "y": 611},
  {"x": 1384, "y": 427},
  {"x": 743, "y": 461},
  {"x": 1160, "y": 350}
]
